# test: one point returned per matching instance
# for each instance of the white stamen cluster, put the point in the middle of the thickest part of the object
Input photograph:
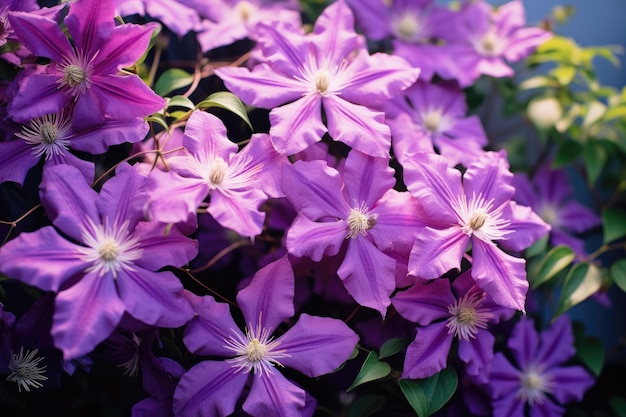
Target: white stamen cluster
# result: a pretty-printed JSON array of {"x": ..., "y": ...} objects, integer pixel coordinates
[
  {"x": 436, "y": 121},
  {"x": 324, "y": 79},
  {"x": 256, "y": 352},
  {"x": 360, "y": 221},
  {"x": 409, "y": 26},
  {"x": 76, "y": 73},
  {"x": 488, "y": 44},
  {"x": 478, "y": 217},
  {"x": 47, "y": 135},
  {"x": 217, "y": 171},
  {"x": 244, "y": 9},
  {"x": 467, "y": 315},
  {"x": 110, "y": 248},
  {"x": 534, "y": 385},
  {"x": 26, "y": 371}
]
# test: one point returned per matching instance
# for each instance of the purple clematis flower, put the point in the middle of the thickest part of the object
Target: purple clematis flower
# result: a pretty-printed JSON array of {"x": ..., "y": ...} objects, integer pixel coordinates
[
  {"x": 231, "y": 20},
  {"x": 483, "y": 39},
  {"x": 50, "y": 137},
  {"x": 418, "y": 28},
  {"x": 360, "y": 209},
  {"x": 313, "y": 346},
  {"x": 330, "y": 69},
  {"x": 477, "y": 210},
  {"x": 237, "y": 182},
  {"x": 174, "y": 14},
  {"x": 88, "y": 73},
  {"x": 537, "y": 377},
  {"x": 108, "y": 267},
  {"x": 433, "y": 115},
  {"x": 550, "y": 195},
  {"x": 463, "y": 312}
]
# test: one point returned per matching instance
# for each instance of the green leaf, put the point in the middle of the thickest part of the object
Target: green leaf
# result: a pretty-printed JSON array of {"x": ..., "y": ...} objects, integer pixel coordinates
[
  {"x": 354, "y": 353},
  {"x": 538, "y": 247},
  {"x": 581, "y": 282},
  {"x": 591, "y": 352},
  {"x": 564, "y": 74},
  {"x": 181, "y": 101},
  {"x": 613, "y": 224},
  {"x": 617, "y": 112},
  {"x": 228, "y": 101},
  {"x": 618, "y": 404},
  {"x": 427, "y": 396},
  {"x": 595, "y": 157},
  {"x": 158, "y": 119},
  {"x": 171, "y": 80},
  {"x": 371, "y": 370},
  {"x": 618, "y": 273},
  {"x": 391, "y": 347},
  {"x": 366, "y": 406},
  {"x": 556, "y": 260},
  {"x": 153, "y": 38},
  {"x": 566, "y": 154}
]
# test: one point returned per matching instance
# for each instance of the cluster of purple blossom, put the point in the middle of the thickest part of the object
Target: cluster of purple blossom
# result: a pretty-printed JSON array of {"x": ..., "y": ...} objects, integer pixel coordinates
[{"x": 444, "y": 252}]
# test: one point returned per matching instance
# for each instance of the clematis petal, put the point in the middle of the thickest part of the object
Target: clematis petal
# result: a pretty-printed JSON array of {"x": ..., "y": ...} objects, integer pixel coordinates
[
  {"x": 313, "y": 188},
  {"x": 297, "y": 125},
  {"x": 528, "y": 227},
  {"x": 500, "y": 275},
  {"x": 209, "y": 389},
  {"x": 41, "y": 35},
  {"x": 205, "y": 137},
  {"x": 205, "y": 334},
  {"x": 69, "y": 201},
  {"x": 39, "y": 94},
  {"x": 173, "y": 198},
  {"x": 546, "y": 408},
  {"x": 317, "y": 345},
  {"x": 154, "y": 297},
  {"x": 274, "y": 395},
  {"x": 315, "y": 239},
  {"x": 90, "y": 21},
  {"x": 163, "y": 246},
  {"x": 269, "y": 296},
  {"x": 16, "y": 159},
  {"x": 490, "y": 178},
  {"x": 366, "y": 178},
  {"x": 333, "y": 36},
  {"x": 368, "y": 274},
  {"x": 504, "y": 377},
  {"x": 557, "y": 343},
  {"x": 428, "y": 353},
  {"x": 437, "y": 251},
  {"x": 477, "y": 353},
  {"x": 85, "y": 314},
  {"x": 524, "y": 343},
  {"x": 510, "y": 405},
  {"x": 357, "y": 126},
  {"x": 131, "y": 42},
  {"x": 570, "y": 383},
  {"x": 285, "y": 47},
  {"x": 42, "y": 259},
  {"x": 263, "y": 86},
  {"x": 123, "y": 197},
  {"x": 425, "y": 302}
]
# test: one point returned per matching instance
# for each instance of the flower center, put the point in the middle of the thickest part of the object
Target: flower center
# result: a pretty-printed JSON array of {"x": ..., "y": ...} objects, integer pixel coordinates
[
  {"x": 26, "y": 371},
  {"x": 407, "y": 27},
  {"x": 256, "y": 350},
  {"x": 73, "y": 75},
  {"x": 360, "y": 221},
  {"x": 245, "y": 9},
  {"x": 217, "y": 171},
  {"x": 322, "y": 81},
  {"x": 534, "y": 386},
  {"x": 467, "y": 315},
  {"x": 478, "y": 217},
  {"x": 109, "y": 249},
  {"x": 131, "y": 366},
  {"x": 47, "y": 134},
  {"x": 489, "y": 44},
  {"x": 432, "y": 121}
]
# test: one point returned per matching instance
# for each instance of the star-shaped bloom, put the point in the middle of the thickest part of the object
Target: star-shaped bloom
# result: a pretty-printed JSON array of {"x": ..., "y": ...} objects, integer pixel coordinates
[
  {"x": 538, "y": 376},
  {"x": 329, "y": 69},
  {"x": 418, "y": 30},
  {"x": 483, "y": 39},
  {"x": 429, "y": 116},
  {"x": 445, "y": 312},
  {"x": 86, "y": 71},
  {"x": 104, "y": 263},
  {"x": 477, "y": 210},
  {"x": 231, "y": 20},
  {"x": 550, "y": 195},
  {"x": 52, "y": 136},
  {"x": 313, "y": 346},
  {"x": 237, "y": 182},
  {"x": 358, "y": 208}
]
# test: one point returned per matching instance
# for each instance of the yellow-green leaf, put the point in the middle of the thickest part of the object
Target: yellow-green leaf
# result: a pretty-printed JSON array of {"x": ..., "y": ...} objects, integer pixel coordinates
[
  {"x": 581, "y": 282},
  {"x": 228, "y": 101}
]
